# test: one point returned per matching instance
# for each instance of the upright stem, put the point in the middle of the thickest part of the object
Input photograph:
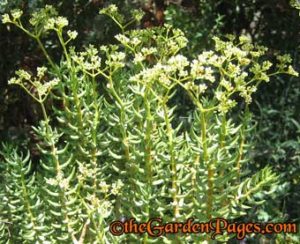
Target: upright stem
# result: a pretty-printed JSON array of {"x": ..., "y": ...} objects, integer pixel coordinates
[
  {"x": 148, "y": 156},
  {"x": 62, "y": 195},
  {"x": 45, "y": 52},
  {"x": 125, "y": 140},
  {"x": 172, "y": 160},
  {"x": 206, "y": 163},
  {"x": 222, "y": 135},
  {"x": 242, "y": 143},
  {"x": 94, "y": 133},
  {"x": 28, "y": 206},
  {"x": 63, "y": 44}
]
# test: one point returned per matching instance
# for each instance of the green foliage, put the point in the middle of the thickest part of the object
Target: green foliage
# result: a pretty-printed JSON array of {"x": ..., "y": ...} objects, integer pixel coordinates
[
  {"x": 200, "y": 23},
  {"x": 22, "y": 214},
  {"x": 277, "y": 142},
  {"x": 111, "y": 146}
]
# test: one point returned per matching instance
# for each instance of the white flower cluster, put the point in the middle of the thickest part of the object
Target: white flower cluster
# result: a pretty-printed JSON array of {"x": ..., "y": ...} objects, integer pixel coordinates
[
  {"x": 102, "y": 207},
  {"x": 178, "y": 63},
  {"x": 128, "y": 41},
  {"x": 149, "y": 75},
  {"x": 41, "y": 72},
  {"x": 45, "y": 88},
  {"x": 72, "y": 34},
  {"x": 15, "y": 14},
  {"x": 284, "y": 65},
  {"x": 89, "y": 59},
  {"x": 104, "y": 187},
  {"x": 137, "y": 14},
  {"x": 246, "y": 93},
  {"x": 197, "y": 89},
  {"x": 225, "y": 102},
  {"x": 114, "y": 188},
  {"x": 110, "y": 10},
  {"x": 116, "y": 60},
  {"x": 60, "y": 181},
  {"x": 56, "y": 23},
  {"x": 84, "y": 172},
  {"x": 123, "y": 39},
  {"x": 105, "y": 209},
  {"x": 24, "y": 79},
  {"x": 199, "y": 71},
  {"x": 22, "y": 75},
  {"x": 260, "y": 70},
  {"x": 142, "y": 55},
  {"x": 179, "y": 39}
]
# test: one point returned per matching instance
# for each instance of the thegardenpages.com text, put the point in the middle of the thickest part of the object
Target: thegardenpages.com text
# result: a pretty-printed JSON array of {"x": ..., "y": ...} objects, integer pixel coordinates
[{"x": 155, "y": 227}]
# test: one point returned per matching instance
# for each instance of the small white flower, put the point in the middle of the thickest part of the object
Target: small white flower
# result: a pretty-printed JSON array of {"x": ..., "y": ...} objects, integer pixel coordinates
[
  {"x": 41, "y": 71},
  {"x": 72, "y": 34},
  {"x": 147, "y": 51},
  {"x": 219, "y": 95},
  {"x": 178, "y": 61},
  {"x": 16, "y": 14},
  {"x": 111, "y": 9},
  {"x": 137, "y": 14},
  {"x": 245, "y": 39},
  {"x": 135, "y": 41},
  {"x": 291, "y": 71},
  {"x": 123, "y": 39},
  {"x": 61, "y": 22},
  {"x": 50, "y": 25},
  {"x": 138, "y": 58},
  {"x": 104, "y": 187},
  {"x": 105, "y": 209},
  {"x": 174, "y": 203},
  {"x": 52, "y": 182},
  {"x": 116, "y": 187},
  {"x": 6, "y": 19},
  {"x": 23, "y": 74},
  {"x": 64, "y": 184},
  {"x": 13, "y": 81},
  {"x": 53, "y": 83},
  {"x": 202, "y": 88},
  {"x": 226, "y": 84},
  {"x": 60, "y": 176}
]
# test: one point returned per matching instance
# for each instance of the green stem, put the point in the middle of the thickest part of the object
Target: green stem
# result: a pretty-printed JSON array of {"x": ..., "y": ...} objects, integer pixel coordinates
[
  {"x": 28, "y": 207},
  {"x": 54, "y": 155},
  {"x": 222, "y": 136},
  {"x": 149, "y": 119},
  {"x": 125, "y": 140},
  {"x": 207, "y": 164},
  {"x": 148, "y": 148},
  {"x": 45, "y": 52},
  {"x": 63, "y": 44},
  {"x": 242, "y": 142},
  {"x": 176, "y": 211},
  {"x": 94, "y": 132}
]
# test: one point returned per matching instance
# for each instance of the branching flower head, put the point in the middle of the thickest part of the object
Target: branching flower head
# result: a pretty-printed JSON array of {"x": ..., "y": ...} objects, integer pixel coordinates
[
  {"x": 112, "y": 11},
  {"x": 104, "y": 187},
  {"x": 6, "y": 19},
  {"x": 15, "y": 16},
  {"x": 137, "y": 14},
  {"x": 56, "y": 23},
  {"x": 41, "y": 17},
  {"x": 27, "y": 82},
  {"x": 72, "y": 34},
  {"x": 116, "y": 187}
]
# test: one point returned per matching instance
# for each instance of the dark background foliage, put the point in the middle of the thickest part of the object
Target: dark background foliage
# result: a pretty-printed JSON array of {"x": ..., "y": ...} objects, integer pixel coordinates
[{"x": 273, "y": 23}]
